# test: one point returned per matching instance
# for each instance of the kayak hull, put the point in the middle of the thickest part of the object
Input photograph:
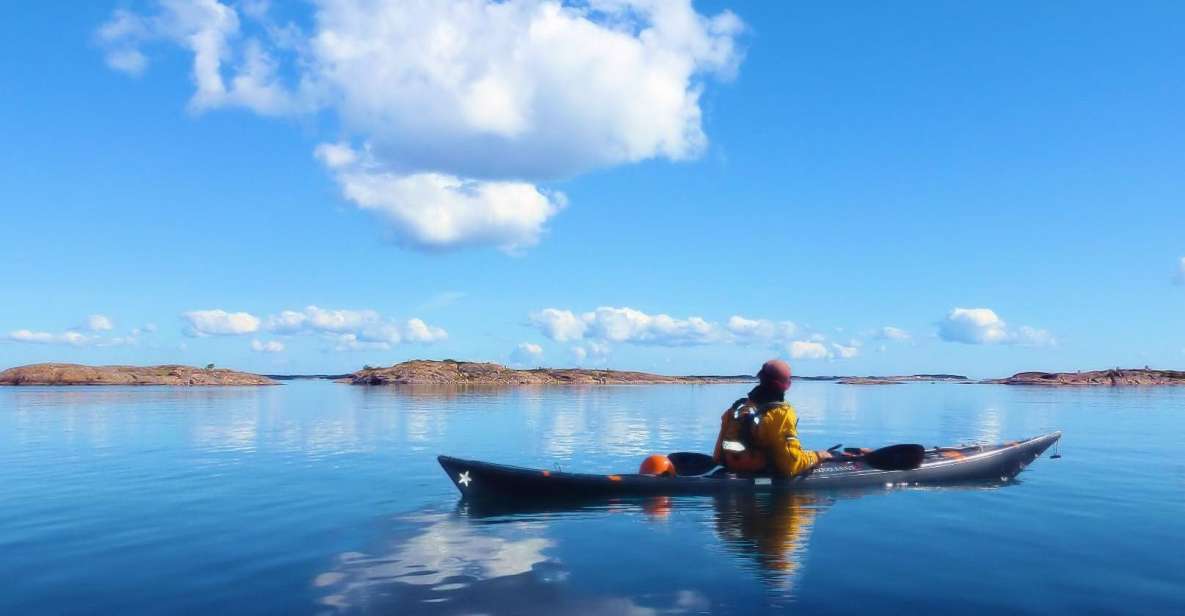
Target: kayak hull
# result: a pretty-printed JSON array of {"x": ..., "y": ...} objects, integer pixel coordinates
[{"x": 951, "y": 465}]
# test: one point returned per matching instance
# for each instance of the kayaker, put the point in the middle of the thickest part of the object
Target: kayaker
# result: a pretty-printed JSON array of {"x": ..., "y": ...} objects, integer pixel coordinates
[{"x": 759, "y": 433}]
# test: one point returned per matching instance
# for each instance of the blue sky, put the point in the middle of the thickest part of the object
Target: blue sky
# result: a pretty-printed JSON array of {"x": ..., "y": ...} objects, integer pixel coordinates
[{"x": 1000, "y": 183}]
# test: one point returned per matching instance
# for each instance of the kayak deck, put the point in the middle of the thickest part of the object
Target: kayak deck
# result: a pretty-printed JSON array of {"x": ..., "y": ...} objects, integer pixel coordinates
[{"x": 941, "y": 465}]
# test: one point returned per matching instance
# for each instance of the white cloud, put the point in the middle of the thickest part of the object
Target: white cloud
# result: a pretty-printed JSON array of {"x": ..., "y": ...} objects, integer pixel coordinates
[
  {"x": 845, "y": 352},
  {"x": 802, "y": 349},
  {"x": 629, "y": 325},
  {"x": 99, "y": 323},
  {"x": 984, "y": 326},
  {"x": 889, "y": 332},
  {"x": 435, "y": 211},
  {"x": 92, "y": 333},
  {"x": 559, "y": 325},
  {"x": 120, "y": 37},
  {"x": 592, "y": 351},
  {"x": 1179, "y": 278},
  {"x": 69, "y": 337},
  {"x": 611, "y": 324},
  {"x": 526, "y": 353},
  {"x": 267, "y": 346},
  {"x": 460, "y": 107},
  {"x": 353, "y": 329},
  {"x": 760, "y": 329},
  {"x": 220, "y": 323},
  {"x": 416, "y": 330}
]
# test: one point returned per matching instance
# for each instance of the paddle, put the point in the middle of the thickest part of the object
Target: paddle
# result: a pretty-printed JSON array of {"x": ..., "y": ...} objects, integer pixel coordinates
[{"x": 891, "y": 458}]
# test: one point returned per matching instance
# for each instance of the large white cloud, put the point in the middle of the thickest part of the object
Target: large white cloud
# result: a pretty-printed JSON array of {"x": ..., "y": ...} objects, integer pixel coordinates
[
  {"x": 219, "y": 322},
  {"x": 460, "y": 107},
  {"x": 984, "y": 326}
]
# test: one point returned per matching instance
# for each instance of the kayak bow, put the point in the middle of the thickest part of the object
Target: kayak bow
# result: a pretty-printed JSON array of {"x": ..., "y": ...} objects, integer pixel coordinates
[{"x": 941, "y": 465}]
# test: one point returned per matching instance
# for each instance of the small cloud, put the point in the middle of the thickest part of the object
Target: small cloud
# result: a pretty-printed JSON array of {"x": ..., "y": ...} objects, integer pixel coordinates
[
  {"x": 592, "y": 351},
  {"x": 889, "y": 332},
  {"x": 99, "y": 323},
  {"x": 760, "y": 330},
  {"x": 268, "y": 346},
  {"x": 612, "y": 324},
  {"x": 804, "y": 349},
  {"x": 1179, "y": 277},
  {"x": 845, "y": 352},
  {"x": 526, "y": 353},
  {"x": 220, "y": 323},
  {"x": 353, "y": 330},
  {"x": 442, "y": 300},
  {"x": 72, "y": 338},
  {"x": 416, "y": 330},
  {"x": 984, "y": 326}
]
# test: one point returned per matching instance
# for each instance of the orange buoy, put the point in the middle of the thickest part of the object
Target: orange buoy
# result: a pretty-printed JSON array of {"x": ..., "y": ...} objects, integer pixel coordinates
[{"x": 657, "y": 464}]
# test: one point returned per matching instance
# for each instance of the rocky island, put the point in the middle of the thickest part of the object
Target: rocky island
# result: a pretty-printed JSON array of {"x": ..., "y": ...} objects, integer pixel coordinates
[
  {"x": 1110, "y": 378},
  {"x": 906, "y": 378},
  {"x": 451, "y": 372},
  {"x": 77, "y": 374}
]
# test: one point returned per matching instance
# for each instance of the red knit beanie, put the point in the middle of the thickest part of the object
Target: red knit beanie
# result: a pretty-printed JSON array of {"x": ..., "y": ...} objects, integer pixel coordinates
[{"x": 775, "y": 373}]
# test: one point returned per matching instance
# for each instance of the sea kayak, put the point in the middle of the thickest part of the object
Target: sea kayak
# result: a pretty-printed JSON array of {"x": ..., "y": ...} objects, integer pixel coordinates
[{"x": 941, "y": 465}]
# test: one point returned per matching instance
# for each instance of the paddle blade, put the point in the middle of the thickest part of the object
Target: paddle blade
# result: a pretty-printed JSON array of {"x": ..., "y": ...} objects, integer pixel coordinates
[
  {"x": 689, "y": 463},
  {"x": 896, "y": 457}
]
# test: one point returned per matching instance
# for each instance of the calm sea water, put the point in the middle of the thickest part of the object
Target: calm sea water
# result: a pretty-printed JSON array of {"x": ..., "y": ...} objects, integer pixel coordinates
[{"x": 315, "y": 497}]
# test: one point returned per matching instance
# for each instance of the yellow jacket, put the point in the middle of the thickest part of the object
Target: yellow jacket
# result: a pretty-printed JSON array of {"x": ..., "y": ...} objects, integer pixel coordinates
[{"x": 775, "y": 439}]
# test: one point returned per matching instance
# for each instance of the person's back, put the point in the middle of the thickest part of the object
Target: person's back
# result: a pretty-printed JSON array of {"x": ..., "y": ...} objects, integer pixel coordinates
[{"x": 759, "y": 433}]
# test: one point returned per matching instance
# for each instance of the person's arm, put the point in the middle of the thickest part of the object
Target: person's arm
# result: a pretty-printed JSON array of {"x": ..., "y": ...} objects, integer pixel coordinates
[
  {"x": 718, "y": 452},
  {"x": 778, "y": 435}
]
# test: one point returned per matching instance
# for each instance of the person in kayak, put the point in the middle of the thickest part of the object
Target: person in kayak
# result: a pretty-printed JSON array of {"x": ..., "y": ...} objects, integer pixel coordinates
[{"x": 759, "y": 433}]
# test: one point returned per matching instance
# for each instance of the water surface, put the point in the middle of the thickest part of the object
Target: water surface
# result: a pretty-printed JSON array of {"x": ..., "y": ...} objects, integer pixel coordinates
[{"x": 315, "y": 497}]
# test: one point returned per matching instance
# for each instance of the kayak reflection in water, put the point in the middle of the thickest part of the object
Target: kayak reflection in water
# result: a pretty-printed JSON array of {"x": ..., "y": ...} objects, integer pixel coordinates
[
  {"x": 772, "y": 529},
  {"x": 759, "y": 433}
]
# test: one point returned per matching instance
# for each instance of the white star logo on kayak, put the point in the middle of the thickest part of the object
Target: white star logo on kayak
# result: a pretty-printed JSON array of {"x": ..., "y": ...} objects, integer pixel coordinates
[{"x": 464, "y": 479}]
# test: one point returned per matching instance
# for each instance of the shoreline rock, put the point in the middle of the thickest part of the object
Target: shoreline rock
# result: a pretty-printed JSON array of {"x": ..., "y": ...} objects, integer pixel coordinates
[
  {"x": 78, "y": 374},
  {"x": 1116, "y": 377},
  {"x": 901, "y": 379},
  {"x": 451, "y": 372}
]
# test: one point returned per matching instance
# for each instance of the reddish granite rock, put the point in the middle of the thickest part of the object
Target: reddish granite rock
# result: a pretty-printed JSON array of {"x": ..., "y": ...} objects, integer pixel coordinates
[
  {"x": 1115, "y": 377},
  {"x": 76, "y": 374},
  {"x": 449, "y": 372}
]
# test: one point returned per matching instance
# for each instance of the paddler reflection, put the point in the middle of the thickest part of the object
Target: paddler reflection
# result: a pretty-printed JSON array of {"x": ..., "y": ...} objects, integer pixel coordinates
[{"x": 772, "y": 529}]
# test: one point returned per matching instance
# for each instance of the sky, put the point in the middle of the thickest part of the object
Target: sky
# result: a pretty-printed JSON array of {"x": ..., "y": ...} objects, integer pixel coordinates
[{"x": 859, "y": 188}]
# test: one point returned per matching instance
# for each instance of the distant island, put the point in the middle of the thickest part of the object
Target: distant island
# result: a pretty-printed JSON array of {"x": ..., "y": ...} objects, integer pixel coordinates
[
  {"x": 897, "y": 380},
  {"x": 77, "y": 374},
  {"x": 1115, "y": 377},
  {"x": 451, "y": 372}
]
